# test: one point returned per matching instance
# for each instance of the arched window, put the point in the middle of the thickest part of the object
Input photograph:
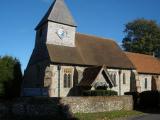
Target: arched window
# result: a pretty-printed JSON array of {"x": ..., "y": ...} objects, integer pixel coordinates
[
  {"x": 67, "y": 78},
  {"x": 111, "y": 76},
  {"x": 124, "y": 78},
  {"x": 145, "y": 83},
  {"x": 115, "y": 79}
]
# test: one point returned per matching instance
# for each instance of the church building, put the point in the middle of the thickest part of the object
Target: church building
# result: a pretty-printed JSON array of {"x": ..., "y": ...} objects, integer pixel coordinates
[
  {"x": 148, "y": 69},
  {"x": 66, "y": 63}
]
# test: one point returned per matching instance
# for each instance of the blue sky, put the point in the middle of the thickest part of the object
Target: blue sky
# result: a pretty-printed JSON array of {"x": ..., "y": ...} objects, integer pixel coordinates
[{"x": 105, "y": 18}]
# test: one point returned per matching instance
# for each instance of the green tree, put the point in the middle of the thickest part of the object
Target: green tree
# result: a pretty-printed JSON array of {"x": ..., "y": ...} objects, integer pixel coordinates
[
  {"x": 142, "y": 36},
  {"x": 10, "y": 77}
]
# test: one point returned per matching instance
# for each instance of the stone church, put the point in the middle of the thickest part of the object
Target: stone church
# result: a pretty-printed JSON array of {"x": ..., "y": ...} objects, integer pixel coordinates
[
  {"x": 65, "y": 63},
  {"x": 148, "y": 71}
]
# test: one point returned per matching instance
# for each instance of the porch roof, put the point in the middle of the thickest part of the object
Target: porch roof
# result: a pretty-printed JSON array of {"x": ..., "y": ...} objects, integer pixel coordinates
[{"x": 90, "y": 74}]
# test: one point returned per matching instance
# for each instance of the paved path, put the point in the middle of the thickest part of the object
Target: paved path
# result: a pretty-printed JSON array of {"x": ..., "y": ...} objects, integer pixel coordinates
[{"x": 146, "y": 117}]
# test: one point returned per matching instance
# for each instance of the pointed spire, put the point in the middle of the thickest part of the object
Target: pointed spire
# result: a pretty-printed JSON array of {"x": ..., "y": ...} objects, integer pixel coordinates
[{"x": 59, "y": 13}]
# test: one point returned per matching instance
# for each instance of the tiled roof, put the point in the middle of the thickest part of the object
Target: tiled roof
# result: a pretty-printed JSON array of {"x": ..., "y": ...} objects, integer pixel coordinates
[
  {"x": 90, "y": 75},
  {"x": 90, "y": 50},
  {"x": 144, "y": 63}
]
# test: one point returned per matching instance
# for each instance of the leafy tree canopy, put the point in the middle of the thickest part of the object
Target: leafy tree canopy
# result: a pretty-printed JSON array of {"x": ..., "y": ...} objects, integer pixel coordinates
[
  {"x": 10, "y": 77},
  {"x": 142, "y": 36}
]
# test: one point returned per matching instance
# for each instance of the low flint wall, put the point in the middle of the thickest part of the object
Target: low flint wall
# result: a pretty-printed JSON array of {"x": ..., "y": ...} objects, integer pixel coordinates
[{"x": 41, "y": 106}]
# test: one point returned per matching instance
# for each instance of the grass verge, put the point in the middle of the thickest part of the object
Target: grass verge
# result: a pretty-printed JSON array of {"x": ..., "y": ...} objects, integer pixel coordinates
[{"x": 106, "y": 115}]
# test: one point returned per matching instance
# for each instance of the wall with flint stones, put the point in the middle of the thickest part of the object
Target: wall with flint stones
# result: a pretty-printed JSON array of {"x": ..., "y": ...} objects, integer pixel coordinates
[
  {"x": 42, "y": 106},
  {"x": 98, "y": 104}
]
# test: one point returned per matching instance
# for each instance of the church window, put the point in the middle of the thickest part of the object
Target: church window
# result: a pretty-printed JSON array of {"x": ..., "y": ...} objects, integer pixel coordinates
[
  {"x": 67, "y": 78},
  {"x": 124, "y": 78},
  {"x": 77, "y": 73},
  {"x": 115, "y": 79},
  {"x": 145, "y": 83},
  {"x": 111, "y": 76}
]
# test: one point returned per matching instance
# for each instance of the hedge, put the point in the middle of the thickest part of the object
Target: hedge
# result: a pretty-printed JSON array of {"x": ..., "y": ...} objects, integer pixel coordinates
[
  {"x": 100, "y": 93},
  {"x": 150, "y": 99},
  {"x": 135, "y": 96}
]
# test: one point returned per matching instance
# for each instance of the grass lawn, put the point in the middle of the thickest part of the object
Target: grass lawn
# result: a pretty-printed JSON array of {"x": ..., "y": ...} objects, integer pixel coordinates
[{"x": 106, "y": 115}]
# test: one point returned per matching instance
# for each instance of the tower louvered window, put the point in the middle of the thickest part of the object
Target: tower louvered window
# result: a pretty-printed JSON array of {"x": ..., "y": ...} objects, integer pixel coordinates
[{"x": 67, "y": 78}]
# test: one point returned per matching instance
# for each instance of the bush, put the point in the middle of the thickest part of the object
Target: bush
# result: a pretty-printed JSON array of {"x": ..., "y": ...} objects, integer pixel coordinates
[
  {"x": 100, "y": 93},
  {"x": 135, "y": 96},
  {"x": 150, "y": 99},
  {"x": 101, "y": 88},
  {"x": 10, "y": 77}
]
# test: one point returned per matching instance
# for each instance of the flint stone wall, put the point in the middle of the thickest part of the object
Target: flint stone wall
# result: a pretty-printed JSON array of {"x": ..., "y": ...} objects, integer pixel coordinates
[
  {"x": 68, "y": 105},
  {"x": 98, "y": 104}
]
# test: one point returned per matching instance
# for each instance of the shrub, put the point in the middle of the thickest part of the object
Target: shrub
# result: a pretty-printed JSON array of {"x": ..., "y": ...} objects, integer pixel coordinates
[
  {"x": 101, "y": 88},
  {"x": 149, "y": 98},
  {"x": 10, "y": 77},
  {"x": 135, "y": 96},
  {"x": 100, "y": 93}
]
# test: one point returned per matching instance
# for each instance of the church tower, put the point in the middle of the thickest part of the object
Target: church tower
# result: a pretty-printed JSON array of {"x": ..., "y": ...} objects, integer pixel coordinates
[
  {"x": 58, "y": 25},
  {"x": 57, "y": 28}
]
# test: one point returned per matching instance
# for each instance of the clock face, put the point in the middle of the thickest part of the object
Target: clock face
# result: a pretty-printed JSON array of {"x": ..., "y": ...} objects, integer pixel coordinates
[{"x": 61, "y": 33}]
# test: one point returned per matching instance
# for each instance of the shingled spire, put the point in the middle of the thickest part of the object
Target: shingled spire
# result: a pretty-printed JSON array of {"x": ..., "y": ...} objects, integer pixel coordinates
[{"x": 59, "y": 13}]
